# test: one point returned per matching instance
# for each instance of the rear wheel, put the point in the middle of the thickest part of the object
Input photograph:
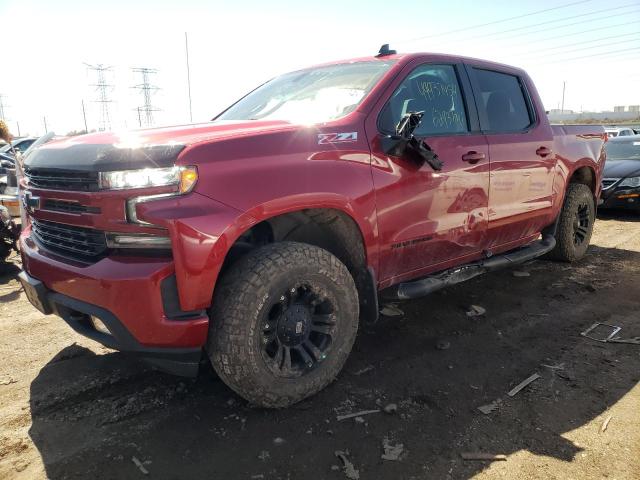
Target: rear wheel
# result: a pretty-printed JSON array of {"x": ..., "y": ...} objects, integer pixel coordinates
[
  {"x": 575, "y": 225},
  {"x": 283, "y": 322}
]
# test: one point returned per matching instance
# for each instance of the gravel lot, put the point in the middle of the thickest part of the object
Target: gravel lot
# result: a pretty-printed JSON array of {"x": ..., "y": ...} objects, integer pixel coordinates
[{"x": 73, "y": 409}]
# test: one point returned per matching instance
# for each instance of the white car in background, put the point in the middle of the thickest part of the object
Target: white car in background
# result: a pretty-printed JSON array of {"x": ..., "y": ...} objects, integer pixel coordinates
[{"x": 619, "y": 131}]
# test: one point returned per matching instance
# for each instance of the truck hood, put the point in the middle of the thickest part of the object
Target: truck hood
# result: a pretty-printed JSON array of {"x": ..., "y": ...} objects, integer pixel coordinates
[
  {"x": 155, "y": 147},
  {"x": 621, "y": 168}
]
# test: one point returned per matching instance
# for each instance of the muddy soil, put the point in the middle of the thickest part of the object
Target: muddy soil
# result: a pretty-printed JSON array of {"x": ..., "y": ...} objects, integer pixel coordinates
[{"x": 70, "y": 408}]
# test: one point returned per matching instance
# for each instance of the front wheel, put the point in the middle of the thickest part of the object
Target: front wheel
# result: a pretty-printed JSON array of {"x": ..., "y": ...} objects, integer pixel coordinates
[
  {"x": 283, "y": 321},
  {"x": 575, "y": 225}
]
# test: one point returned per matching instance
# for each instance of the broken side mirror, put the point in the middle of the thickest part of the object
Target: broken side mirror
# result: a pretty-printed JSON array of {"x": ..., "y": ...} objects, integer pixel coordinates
[
  {"x": 396, "y": 144},
  {"x": 404, "y": 142}
]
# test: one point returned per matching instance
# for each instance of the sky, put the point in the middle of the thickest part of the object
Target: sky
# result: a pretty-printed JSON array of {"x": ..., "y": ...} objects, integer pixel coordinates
[{"x": 591, "y": 45}]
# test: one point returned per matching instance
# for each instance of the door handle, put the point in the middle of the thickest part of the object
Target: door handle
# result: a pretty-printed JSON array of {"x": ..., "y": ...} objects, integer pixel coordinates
[
  {"x": 473, "y": 157},
  {"x": 543, "y": 152}
]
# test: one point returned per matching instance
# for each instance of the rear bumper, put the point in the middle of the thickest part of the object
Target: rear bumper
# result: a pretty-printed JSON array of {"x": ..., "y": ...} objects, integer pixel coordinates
[{"x": 134, "y": 297}]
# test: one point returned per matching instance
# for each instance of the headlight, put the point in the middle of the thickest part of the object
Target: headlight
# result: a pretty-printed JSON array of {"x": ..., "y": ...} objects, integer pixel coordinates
[
  {"x": 183, "y": 177},
  {"x": 137, "y": 240},
  {"x": 630, "y": 182}
]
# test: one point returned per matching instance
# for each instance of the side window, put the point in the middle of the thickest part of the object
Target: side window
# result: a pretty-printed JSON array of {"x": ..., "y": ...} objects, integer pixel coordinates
[
  {"x": 434, "y": 90},
  {"x": 503, "y": 100}
]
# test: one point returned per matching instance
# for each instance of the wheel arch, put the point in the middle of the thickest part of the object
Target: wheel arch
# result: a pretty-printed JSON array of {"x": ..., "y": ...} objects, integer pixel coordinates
[{"x": 325, "y": 225}]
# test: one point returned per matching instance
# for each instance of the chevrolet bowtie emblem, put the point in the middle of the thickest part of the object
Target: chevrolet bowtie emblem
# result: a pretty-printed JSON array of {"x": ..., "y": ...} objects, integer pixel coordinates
[{"x": 30, "y": 202}]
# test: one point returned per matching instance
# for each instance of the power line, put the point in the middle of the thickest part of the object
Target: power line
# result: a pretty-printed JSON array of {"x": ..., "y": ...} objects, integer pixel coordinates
[
  {"x": 583, "y": 31},
  {"x": 608, "y": 54},
  {"x": 584, "y": 48},
  {"x": 572, "y": 17},
  {"x": 102, "y": 89},
  {"x": 476, "y": 37},
  {"x": 147, "y": 90},
  {"x": 496, "y": 21},
  {"x": 569, "y": 24},
  {"x": 586, "y": 41}
]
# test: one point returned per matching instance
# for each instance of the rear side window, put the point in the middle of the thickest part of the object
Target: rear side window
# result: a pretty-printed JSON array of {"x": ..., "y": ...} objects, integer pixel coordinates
[
  {"x": 434, "y": 90},
  {"x": 503, "y": 100}
]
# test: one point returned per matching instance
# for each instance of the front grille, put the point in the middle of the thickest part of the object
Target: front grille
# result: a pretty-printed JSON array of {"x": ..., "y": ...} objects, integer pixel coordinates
[
  {"x": 66, "y": 206},
  {"x": 85, "y": 243},
  {"x": 62, "y": 180},
  {"x": 608, "y": 182}
]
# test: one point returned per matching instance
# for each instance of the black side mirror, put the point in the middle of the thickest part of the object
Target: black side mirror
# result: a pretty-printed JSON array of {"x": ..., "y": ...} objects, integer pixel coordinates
[{"x": 404, "y": 143}]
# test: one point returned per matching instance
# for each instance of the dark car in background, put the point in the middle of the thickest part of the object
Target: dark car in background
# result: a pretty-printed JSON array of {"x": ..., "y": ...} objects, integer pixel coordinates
[
  {"x": 621, "y": 177},
  {"x": 19, "y": 144}
]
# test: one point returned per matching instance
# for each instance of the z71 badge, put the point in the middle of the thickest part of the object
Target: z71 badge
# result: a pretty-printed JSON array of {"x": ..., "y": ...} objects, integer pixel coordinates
[{"x": 343, "y": 137}]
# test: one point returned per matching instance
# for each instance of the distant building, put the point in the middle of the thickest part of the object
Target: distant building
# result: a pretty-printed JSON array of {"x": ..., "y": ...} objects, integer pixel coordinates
[
  {"x": 634, "y": 108},
  {"x": 618, "y": 108},
  {"x": 559, "y": 111}
]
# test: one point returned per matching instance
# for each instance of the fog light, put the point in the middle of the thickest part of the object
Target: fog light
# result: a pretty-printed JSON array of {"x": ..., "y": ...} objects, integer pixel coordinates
[
  {"x": 99, "y": 326},
  {"x": 137, "y": 240}
]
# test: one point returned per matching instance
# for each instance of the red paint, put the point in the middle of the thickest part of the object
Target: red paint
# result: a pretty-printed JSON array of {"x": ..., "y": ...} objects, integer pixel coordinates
[{"x": 495, "y": 192}]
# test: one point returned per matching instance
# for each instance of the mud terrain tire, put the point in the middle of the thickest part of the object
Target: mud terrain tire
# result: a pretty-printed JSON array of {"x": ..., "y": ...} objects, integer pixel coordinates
[
  {"x": 575, "y": 224},
  {"x": 267, "y": 301}
]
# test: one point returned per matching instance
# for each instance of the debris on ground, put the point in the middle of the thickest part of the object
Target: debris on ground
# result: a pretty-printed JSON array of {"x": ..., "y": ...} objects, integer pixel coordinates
[
  {"x": 520, "y": 273},
  {"x": 523, "y": 384},
  {"x": 475, "y": 311},
  {"x": 8, "y": 381},
  {"x": 614, "y": 331},
  {"x": 347, "y": 467},
  {"x": 366, "y": 369},
  {"x": 482, "y": 456},
  {"x": 559, "y": 366},
  {"x": 278, "y": 441},
  {"x": 140, "y": 466},
  {"x": 443, "y": 345},
  {"x": 391, "y": 408},
  {"x": 632, "y": 340},
  {"x": 392, "y": 452},
  {"x": 264, "y": 454},
  {"x": 357, "y": 414},
  {"x": 605, "y": 424},
  {"x": 259, "y": 476},
  {"x": 391, "y": 310},
  {"x": 490, "y": 407}
]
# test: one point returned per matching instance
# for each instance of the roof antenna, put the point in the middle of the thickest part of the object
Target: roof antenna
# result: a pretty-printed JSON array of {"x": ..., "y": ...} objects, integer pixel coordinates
[{"x": 384, "y": 51}]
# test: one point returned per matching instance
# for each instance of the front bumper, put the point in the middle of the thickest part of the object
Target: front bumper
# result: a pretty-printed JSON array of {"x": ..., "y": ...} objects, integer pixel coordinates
[
  {"x": 620, "y": 198},
  {"x": 134, "y": 297}
]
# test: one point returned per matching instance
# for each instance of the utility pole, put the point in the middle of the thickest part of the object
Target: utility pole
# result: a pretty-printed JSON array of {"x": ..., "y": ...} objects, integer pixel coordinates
[
  {"x": 139, "y": 118},
  {"x": 84, "y": 115},
  {"x": 564, "y": 86},
  {"x": 18, "y": 124},
  {"x": 102, "y": 89},
  {"x": 186, "y": 48},
  {"x": 147, "y": 89},
  {"x": 45, "y": 125}
]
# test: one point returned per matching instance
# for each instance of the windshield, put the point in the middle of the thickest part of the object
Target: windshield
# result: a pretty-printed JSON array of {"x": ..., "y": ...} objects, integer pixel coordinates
[
  {"x": 623, "y": 150},
  {"x": 310, "y": 96}
]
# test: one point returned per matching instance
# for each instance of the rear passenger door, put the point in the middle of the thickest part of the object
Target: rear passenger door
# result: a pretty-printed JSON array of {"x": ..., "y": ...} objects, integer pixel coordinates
[{"x": 520, "y": 148}]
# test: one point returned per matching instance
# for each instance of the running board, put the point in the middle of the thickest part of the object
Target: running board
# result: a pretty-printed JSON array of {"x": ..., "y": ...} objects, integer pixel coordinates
[{"x": 427, "y": 285}]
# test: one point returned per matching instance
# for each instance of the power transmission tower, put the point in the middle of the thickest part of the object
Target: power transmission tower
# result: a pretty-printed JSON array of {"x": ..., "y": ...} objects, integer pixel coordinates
[
  {"x": 2, "y": 105},
  {"x": 147, "y": 89},
  {"x": 103, "y": 89}
]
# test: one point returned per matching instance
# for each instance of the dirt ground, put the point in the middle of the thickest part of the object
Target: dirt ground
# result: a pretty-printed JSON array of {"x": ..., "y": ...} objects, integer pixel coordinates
[{"x": 73, "y": 409}]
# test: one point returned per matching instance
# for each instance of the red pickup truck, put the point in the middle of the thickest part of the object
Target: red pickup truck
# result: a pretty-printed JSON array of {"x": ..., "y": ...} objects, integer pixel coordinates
[{"x": 258, "y": 241}]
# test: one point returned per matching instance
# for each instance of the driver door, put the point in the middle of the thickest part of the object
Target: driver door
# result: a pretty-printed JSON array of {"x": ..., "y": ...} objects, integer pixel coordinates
[{"x": 429, "y": 220}]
